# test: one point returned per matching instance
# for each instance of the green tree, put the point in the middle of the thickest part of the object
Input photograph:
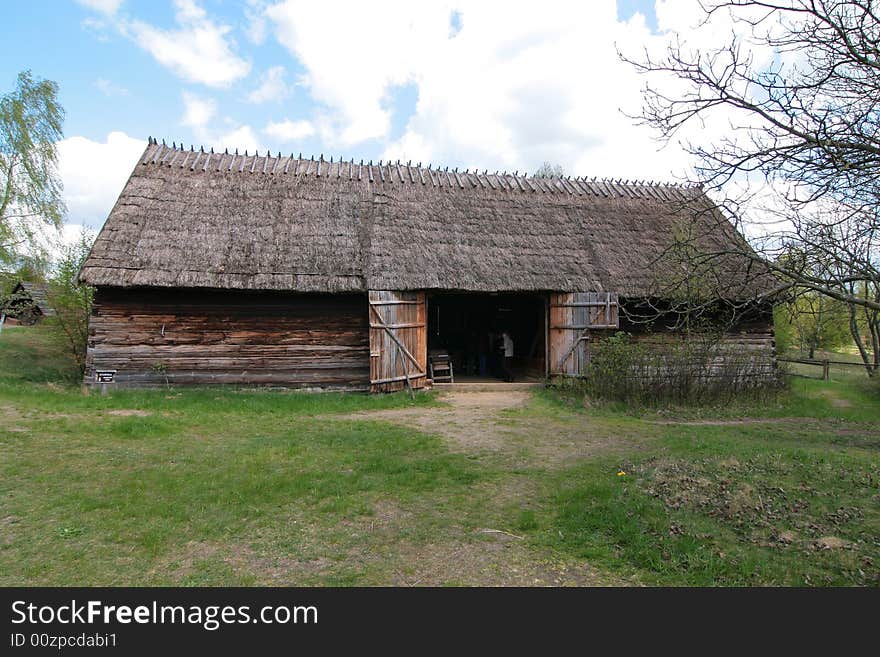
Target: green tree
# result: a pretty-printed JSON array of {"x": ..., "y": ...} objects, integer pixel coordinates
[
  {"x": 815, "y": 321},
  {"x": 30, "y": 189},
  {"x": 72, "y": 299}
]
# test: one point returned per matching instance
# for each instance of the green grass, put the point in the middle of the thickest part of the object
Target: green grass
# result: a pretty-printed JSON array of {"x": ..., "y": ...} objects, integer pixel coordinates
[
  {"x": 781, "y": 493},
  {"x": 848, "y": 399},
  {"x": 220, "y": 486},
  {"x": 837, "y": 371},
  {"x": 33, "y": 355},
  {"x": 92, "y": 488},
  {"x": 725, "y": 509},
  {"x": 142, "y": 490}
]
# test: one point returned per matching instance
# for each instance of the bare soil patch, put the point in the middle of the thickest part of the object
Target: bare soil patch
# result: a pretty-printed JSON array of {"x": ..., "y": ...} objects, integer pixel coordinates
[
  {"x": 498, "y": 560},
  {"x": 831, "y": 543},
  {"x": 485, "y": 423},
  {"x": 468, "y": 423},
  {"x": 486, "y": 556},
  {"x": 129, "y": 412},
  {"x": 835, "y": 400},
  {"x": 482, "y": 422},
  {"x": 243, "y": 560}
]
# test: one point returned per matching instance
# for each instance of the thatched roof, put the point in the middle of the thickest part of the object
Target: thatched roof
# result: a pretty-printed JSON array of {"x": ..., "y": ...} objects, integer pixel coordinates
[
  {"x": 36, "y": 294},
  {"x": 198, "y": 219}
]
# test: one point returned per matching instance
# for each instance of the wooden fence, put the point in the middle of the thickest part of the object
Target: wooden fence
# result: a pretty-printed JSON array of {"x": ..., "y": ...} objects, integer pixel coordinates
[{"x": 824, "y": 363}]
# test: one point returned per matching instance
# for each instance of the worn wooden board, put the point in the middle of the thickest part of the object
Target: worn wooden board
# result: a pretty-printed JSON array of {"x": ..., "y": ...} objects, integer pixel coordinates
[
  {"x": 398, "y": 340},
  {"x": 154, "y": 337},
  {"x": 572, "y": 315}
]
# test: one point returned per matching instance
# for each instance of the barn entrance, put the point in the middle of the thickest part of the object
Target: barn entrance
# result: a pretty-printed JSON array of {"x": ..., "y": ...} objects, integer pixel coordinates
[{"x": 469, "y": 329}]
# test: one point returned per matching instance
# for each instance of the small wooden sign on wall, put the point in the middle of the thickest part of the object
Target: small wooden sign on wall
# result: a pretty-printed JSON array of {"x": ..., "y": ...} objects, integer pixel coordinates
[{"x": 105, "y": 376}]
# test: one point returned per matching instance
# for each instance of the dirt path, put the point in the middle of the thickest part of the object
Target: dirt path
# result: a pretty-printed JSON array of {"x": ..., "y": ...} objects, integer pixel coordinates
[
  {"x": 504, "y": 561},
  {"x": 491, "y": 422},
  {"x": 469, "y": 422},
  {"x": 498, "y": 425}
]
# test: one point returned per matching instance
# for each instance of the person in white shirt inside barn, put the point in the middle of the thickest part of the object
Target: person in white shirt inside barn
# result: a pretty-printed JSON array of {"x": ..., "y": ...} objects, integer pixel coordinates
[{"x": 507, "y": 357}]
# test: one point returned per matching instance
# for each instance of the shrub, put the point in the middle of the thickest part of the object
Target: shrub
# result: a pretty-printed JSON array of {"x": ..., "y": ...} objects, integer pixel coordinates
[
  {"x": 72, "y": 301},
  {"x": 698, "y": 369}
]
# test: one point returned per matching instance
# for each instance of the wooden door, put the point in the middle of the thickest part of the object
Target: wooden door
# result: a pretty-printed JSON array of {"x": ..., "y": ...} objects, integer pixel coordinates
[
  {"x": 398, "y": 340},
  {"x": 572, "y": 315}
]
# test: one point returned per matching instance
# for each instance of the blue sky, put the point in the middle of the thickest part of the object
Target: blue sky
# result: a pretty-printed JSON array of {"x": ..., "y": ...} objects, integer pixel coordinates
[{"x": 497, "y": 85}]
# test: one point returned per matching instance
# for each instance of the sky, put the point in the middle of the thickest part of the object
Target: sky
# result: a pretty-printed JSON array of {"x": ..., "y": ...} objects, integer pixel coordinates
[{"x": 490, "y": 84}]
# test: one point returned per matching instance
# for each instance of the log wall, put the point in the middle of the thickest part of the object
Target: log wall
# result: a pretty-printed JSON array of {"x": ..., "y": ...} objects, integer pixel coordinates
[
  {"x": 752, "y": 354},
  {"x": 749, "y": 346},
  {"x": 156, "y": 337}
]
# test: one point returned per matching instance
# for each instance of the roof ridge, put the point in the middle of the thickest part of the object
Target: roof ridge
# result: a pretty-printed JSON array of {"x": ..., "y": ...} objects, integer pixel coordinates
[{"x": 389, "y": 171}]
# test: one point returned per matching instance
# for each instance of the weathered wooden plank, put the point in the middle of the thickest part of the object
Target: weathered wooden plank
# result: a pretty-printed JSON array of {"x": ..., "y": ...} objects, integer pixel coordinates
[
  {"x": 399, "y": 325},
  {"x": 398, "y": 339},
  {"x": 198, "y": 337},
  {"x": 401, "y": 378},
  {"x": 572, "y": 315}
]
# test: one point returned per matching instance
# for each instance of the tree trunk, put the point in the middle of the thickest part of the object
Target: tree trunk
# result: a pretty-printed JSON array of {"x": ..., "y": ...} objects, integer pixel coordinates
[{"x": 868, "y": 360}]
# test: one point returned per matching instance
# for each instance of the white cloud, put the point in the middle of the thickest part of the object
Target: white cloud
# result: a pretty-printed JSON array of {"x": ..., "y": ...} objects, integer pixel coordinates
[
  {"x": 98, "y": 27},
  {"x": 241, "y": 137},
  {"x": 110, "y": 89},
  {"x": 93, "y": 174},
  {"x": 257, "y": 24},
  {"x": 108, "y": 7},
  {"x": 352, "y": 63},
  {"x": 200, "y": 113},
  {"x": 507, "y": 87},
  {"x": 272, "y": 86},
  {"x": 513, "y": 89},
  {"x": 289, "y": 131},
  {"x": 200, "y": 50},
  {"x": 498, "y": 84},
  {"x": 197, "y": 111}
]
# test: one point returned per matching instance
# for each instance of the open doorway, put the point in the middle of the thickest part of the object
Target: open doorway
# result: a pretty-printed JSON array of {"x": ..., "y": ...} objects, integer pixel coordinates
[{"x": 470, "y": 329}]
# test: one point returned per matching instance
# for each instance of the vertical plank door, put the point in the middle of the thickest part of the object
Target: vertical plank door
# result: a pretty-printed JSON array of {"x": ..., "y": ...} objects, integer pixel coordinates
[
  {"x": 572, "y": 316},
  {"x": 398, "y": 340}
]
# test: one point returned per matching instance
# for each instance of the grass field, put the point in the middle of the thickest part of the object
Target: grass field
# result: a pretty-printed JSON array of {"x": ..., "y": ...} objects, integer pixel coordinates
[{"x": 226, "y": 487}]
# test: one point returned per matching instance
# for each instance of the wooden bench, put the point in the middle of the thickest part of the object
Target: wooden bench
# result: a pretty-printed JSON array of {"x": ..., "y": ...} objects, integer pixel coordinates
[{"x": 440, "y": 367}]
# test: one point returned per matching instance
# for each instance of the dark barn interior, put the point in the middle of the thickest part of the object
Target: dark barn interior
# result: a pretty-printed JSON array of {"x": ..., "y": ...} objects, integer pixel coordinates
[{"x": 468, "y": 327}]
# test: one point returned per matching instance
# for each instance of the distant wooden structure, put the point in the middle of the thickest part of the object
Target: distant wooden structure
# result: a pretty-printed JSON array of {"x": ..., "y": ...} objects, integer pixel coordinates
[
  {"x": 281, "y": 270},
  {"x": 28, "y": 303}
]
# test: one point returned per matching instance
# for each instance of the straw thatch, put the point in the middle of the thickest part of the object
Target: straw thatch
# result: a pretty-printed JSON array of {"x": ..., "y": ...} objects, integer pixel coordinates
[
  {"x": 198, "y": 219},
  {"x": 26, "y": 293}
]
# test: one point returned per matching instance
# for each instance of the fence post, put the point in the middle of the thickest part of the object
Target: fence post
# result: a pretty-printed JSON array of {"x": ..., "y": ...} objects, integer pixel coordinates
[{"x": 826, "y": 370}]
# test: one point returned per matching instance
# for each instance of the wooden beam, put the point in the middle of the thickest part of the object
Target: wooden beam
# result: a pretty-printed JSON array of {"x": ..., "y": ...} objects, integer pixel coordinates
[
  {"x": 395, "y": 379},
  {"x": 399, "y": 325}
]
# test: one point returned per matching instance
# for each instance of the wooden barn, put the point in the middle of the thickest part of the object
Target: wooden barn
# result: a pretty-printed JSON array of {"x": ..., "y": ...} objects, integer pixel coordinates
[
  {"x": 28, "y": 303},
  {"x": 273, "y": 270}
]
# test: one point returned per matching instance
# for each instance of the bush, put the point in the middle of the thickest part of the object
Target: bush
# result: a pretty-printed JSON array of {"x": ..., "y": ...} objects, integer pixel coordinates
[
  {"x": 72, "y": 301},
  {"x": 699, "y": 369}
]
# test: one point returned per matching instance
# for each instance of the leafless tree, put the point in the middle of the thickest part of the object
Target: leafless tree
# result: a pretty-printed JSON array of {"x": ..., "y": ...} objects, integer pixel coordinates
[{"x": 806, "y": 124}]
